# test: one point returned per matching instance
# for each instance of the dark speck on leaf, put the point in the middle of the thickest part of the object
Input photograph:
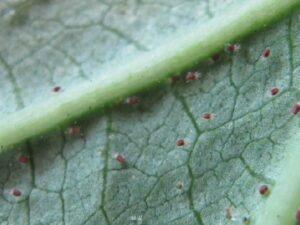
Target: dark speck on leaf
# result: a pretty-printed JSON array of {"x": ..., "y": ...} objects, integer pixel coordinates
[
  {"x": 180, "y": 142},
  {"x": 264, "y": 190},
  {"x": 16, "y": 193},
  {"x": 266, "y": 53},
  {"x": 296, "y": 109},
  {"x": 120, "y": 158},
  {"x": 192, "y": 76},
  {"x": 56, "y": 89},
  {"x": 274, "y": 91},
  {"x": 207, "y": 116}
]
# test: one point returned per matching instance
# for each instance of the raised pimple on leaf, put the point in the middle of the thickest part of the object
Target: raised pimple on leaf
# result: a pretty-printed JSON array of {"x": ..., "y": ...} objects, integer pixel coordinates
[
  {"x": 16, "y": 192},
  {"x": 56, "y": 89},
  {"x": 266, "y": 53},
  {"x": 296, "y": 109},
  {"x": 23, "y": 159},
  {"x": 120, "y": 159},
  {"x": 191, "y": 76},
  {"x": 264, "y": 190},
  {"x": 274, "y": 91},
  {"x": 133, "y": 100},
  {"x": 74, "y": 130},
  {"x": 232, "y": 48},
  {"x": 180, "y": 142},
  {"x": 207, "y": 116}
]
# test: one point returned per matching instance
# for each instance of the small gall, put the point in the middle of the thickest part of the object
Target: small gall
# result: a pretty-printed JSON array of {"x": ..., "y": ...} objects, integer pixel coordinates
[
  {"x": 207, "y": 116},
  {"x": 180, "y": 142},
  {"x": 264, "y": 190},
  {"x": 133, "y": 100},
  {"x": 266, "y": 53},
  {"x": 246, "y": 220},
  {"x": 232, "y": 48},
  {"x": 216, "y": 57},
  {"x": 274, "y": 91},
  {"x": 298, "y": 216},
  {"x": 56, "y": 89},
  {"x": 75, "y": 130},
  {"x": 23, "y": 159},
  {"x": 120, "y": 158},
  {"x": 191, "y": 76},
  {"x": 16, "y": 193},
  {"x": 179, "y": 186},
  {"x": 296, "y": 109}
]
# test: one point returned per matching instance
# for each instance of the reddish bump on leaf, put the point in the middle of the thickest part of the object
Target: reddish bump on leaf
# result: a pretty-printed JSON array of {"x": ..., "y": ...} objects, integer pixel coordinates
[
  {"x": 175, "y": 79},
  {"x": 274, "y": 91},
  {"x": 133, "y": 100},
  {"x": 16, "y": 192},
  {"x": 232, "y": 48},
  {"x": 298, "y": 215},
  {"x": 56, "y": 89},
  {"x": 296, "y": 109},
  {"x": 207, "y": 116},
  {"x": 74, "y": 130},
  {"x": 120, "y": 158},
  {"x": 180, "y": 142},
  {"x": 264, "y": 190},
  {"x": 23, "y": 159},
  {"x": 266, "y": 53},
  {"x": 216, "y": 57},
  {"x": 192, "y": 76}
]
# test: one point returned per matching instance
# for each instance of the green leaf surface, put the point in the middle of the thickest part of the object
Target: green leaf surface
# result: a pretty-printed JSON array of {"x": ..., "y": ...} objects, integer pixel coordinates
[{"x": 75, "y": 179}]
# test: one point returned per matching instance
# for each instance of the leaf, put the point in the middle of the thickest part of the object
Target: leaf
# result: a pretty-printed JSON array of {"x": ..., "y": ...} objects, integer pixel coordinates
[
  {"x": 143, "y": 71},
  {"x": 75, "y": 179}
]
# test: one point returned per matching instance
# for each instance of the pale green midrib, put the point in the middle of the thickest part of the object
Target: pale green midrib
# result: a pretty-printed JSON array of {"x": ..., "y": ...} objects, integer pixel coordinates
[{"x": 136, "y": 74}]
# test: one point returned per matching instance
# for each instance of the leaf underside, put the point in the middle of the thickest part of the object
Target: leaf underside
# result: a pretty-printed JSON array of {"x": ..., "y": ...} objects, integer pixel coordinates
[{"x": 75, "y": 179}]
